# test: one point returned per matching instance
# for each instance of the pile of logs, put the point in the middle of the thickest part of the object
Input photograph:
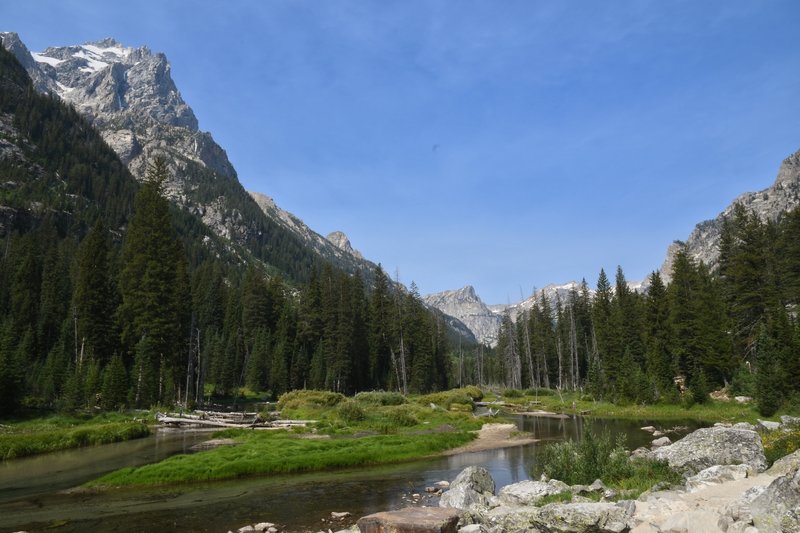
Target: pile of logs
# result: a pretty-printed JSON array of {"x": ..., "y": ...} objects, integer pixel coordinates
[{"x": 226, "y": 420}]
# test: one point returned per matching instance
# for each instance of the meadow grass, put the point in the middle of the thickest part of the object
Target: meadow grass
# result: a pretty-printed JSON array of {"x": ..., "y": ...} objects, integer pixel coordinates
[
  {"x": 20, "y": 438},
  {"x": 571, "y": 402},
  {"x": 264, "y": 453}
]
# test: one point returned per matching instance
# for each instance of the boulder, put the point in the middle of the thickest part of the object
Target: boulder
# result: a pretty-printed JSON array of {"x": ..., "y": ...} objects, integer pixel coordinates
[
  {"x": 716, "y": 475},
  {"x": 472, "y": 489},
  {"x": 473, "y": 528},
  {"x": 411, "y": 520},
  {"x": 531, "y": 492},
  {"x": 663, "y": 441},
  {"x": 744, "y": 425},
  {"x": 263, "y": 527},
  {"x": 786, "y": 464},
  {"x": 788, "y": 422},
  {"x": 777, "y": 503},
  {"x": 768, "y": 425},
  {"x": 560, "y": 518},
  {"x": 712, "y": 446}
]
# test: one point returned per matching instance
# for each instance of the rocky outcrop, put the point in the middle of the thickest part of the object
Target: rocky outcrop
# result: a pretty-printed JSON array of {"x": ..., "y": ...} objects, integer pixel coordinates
[
  {"x": 531, "y": 492},
  {"x": 708, "y": 447},
  {"x": 777, "y": 508},
  {"x": 703, "y": 243}
]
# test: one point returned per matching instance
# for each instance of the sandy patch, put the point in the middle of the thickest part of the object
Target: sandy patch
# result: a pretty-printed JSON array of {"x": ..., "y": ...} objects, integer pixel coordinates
[{"x": 493, "y": 437}]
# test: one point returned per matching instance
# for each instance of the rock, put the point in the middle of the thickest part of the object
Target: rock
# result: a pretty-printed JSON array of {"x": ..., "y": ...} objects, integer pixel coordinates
[
  {"x": 743, "y": 399},
  {"x": 790, "y": 421},
  {"x": 431, "y": 489},
  {"x": 744, "y": 425},
  {"x": 786, "y": 464},
  {"x": 771, "y": 506},
  {"x": 716, "y": 475},
  {"x": 471, "y": 489},
  {"x": 473, "y": 528},
  {"x": 642, "y": 452},
  {"x": 339, "y": 515},
  {"x": 246, "y": 529},
  {"x": 714, "y": 446},
  {"x": 442, "y": 484},
  {"x": 411, "y": 520},
  {"x": 530, "y": 492},
  {"x": 767, "y": 425},
  {"x": 264, "y": 526},
  {"x": 658, "y": 433},
  {"x": 663, "y": 441},
  {"x": 596, "y": 487},
  {"x": 649, "y": 429},
  {"x": 582, "y": 517},
  {"x": 790, "y": 523}
]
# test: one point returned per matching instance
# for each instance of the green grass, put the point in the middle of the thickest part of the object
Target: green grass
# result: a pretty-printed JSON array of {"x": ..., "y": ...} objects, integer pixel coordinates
[
  {"x": 21, "y": 438},
  {"x": 263, "y": 453},
  {"x": 569, "y": 402}
]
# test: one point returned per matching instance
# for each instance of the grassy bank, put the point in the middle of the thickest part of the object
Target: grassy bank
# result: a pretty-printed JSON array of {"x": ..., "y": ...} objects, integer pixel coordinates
[
  {"x": 570, "y": 403},
  {"x": 20, "y": 438},
  {"x": 262, "y": 453}
]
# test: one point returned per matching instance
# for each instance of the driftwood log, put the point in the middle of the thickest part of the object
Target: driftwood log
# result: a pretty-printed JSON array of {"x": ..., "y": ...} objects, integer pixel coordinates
[{"x": 226, "y": 420}]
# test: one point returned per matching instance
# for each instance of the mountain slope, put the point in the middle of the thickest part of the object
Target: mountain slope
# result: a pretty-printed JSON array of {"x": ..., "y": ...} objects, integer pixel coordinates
[
  {"x": 783, "y": 195},
  {"x": 465, "y": 305},
  {"x": 129, "y": 95}
]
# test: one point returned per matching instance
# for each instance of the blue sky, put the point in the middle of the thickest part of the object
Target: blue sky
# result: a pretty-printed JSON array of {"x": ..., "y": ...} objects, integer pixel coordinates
[{"x": 506, "y": 145}]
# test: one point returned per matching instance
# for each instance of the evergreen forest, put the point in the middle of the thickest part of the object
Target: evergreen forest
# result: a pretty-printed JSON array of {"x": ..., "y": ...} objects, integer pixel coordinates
[{"x": 110, "y": 297}]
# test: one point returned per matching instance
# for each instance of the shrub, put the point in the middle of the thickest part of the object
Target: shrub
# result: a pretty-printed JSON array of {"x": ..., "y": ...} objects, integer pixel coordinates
[
  {"x": 380, "y": 398},
  {"x": 401, "y": 415},
  {"x": 309, "y": 398},
  {"x": 473, "y": 392},
  {"x": 540, "y": 391},
  {"x": 512, "y": 393},
  {"x": 780, "y": 443},
  {"x": 351, "y": 411},
  {"x": 445, "y": 399},
  {"x": 594, "y": 457}
]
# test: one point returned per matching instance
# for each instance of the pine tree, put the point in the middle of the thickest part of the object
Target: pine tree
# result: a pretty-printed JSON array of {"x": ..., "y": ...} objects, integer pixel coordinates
[{"x": 114, "y": 390}]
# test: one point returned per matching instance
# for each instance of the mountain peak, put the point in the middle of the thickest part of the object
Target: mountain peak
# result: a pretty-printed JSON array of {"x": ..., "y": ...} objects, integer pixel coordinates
[{"x": 340, "y": 240}]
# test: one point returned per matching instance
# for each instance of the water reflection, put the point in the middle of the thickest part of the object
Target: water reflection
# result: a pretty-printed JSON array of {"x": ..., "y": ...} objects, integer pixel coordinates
[{"x": 298, "y": 503}]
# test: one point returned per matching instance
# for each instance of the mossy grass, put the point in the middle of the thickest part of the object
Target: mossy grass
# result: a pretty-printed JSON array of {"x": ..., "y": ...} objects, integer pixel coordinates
[
  {"x": 264, "y": 453},
  {"x": 20, "y": 438}
]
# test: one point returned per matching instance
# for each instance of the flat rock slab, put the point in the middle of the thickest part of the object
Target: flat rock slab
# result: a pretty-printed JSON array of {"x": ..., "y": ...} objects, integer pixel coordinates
[{"x": 412, "y": 520}]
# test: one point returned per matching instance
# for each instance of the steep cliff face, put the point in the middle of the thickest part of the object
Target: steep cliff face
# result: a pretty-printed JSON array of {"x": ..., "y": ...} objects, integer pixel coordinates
[
  {"x": 130, "y": 96},
  {"x": 465, "y": 305},
  {"x": 783, "y": 195}
]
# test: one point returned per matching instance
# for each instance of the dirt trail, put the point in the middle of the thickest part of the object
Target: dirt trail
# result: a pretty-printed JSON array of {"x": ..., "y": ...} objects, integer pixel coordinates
[{"x": 691, "y": 512}]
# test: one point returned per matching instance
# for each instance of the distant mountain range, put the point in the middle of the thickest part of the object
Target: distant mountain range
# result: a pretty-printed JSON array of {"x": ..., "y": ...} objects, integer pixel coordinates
[{"x": 702, "y": 245}]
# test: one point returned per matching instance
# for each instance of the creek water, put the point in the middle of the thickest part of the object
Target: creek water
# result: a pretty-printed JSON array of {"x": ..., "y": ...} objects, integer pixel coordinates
[{"x": 35, "y": 495}]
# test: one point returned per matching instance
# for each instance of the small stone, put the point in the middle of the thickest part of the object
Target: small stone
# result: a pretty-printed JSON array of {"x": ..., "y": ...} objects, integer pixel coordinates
[
  {"x": 658, "y": 433},
  {"x": 246, "y": 529},
  {"x": 431, "y": 489},
  {"x": 743, "y": 399},
  {"x": 768, "y": 425},
  {"x": 442, "y": 484},
  {"x": 263, "y": 526},
  {"x": 663, "y": 441},
  {"x": 339, "y": 515},
  {"x": 649, "y": 429},
  {"x": 273, "y": 529}
]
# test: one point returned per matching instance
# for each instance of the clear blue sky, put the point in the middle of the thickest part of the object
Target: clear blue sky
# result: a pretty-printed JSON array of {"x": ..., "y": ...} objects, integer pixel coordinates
[{"x": 505, "y": 145}]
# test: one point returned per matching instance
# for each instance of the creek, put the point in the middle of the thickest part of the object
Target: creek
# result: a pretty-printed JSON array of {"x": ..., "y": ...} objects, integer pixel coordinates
[{"x": 35, "y": 495}]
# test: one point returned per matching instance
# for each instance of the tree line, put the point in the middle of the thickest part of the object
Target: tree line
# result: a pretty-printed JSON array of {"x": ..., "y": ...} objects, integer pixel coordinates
[{"x": 735, "y": 325}]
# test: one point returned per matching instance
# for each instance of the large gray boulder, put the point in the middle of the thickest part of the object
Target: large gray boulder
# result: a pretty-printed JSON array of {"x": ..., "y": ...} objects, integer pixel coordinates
[
  {"x": 531, "y": 492},
  {"x": 472, "y": 489},
  {"x": 776, "y": 509},
  {"x": 561, "y": 518},
  {"x": 786, "y": 464},
  {"x": 708, "y": 447},
  {"x": 715, "y": 475}
]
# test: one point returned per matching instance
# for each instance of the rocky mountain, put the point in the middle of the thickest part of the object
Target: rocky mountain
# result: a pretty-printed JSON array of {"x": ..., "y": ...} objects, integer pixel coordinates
[
  {"x": 465, "y": 305},
  {"x": 128, "y": 94},
  {"x": 783, "y": 195}
]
